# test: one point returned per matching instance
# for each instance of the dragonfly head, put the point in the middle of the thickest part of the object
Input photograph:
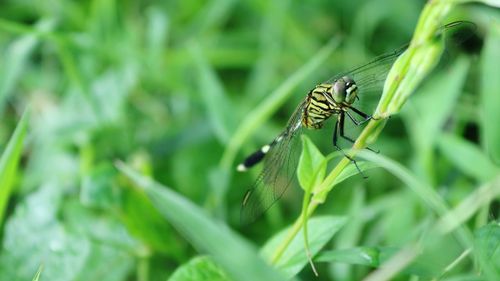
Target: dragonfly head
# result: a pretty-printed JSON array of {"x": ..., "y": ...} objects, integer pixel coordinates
[{"x": 344, "y": 90}]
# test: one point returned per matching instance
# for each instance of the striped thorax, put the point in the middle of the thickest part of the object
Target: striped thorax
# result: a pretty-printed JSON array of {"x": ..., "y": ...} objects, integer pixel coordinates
[{"x": 327, "y": 99}]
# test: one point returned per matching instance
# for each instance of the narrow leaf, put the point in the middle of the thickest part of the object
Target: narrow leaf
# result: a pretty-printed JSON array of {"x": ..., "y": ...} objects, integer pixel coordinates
[
  {"x": 467, "y": 157},
  {"x": 490, "y": 99},
  {"x": 487, "y": 244},
  {"x": 16, "y": 57},
  {"x": 229, "y": 250},
  {"x": 433, "y": 103},
  {"x": 369, "y": 256},
  {"x": 214, "y": 97},
  {"x": 351, "y": 170},
  {"x": 378, "y": 257},
  {"x": 9, "y": 162},
  {"x": 38, "y": 273}
]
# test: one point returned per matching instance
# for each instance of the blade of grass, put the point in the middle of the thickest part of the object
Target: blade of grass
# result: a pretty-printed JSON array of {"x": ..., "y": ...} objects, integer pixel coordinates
[
  {"x": 462, "y": 153},
  {"x": 10, "y": 161},
  {"x": 213, "y": 95},
  {"x": 38, "y": 273},
  {"x": 232, "y": 253},
  {"x": 489, "y": 93},
  {"x": 16, "y": 57}
]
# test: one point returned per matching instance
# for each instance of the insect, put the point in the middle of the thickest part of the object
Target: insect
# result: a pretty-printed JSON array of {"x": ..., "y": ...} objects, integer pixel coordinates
[{"x": 339, "y": 96}]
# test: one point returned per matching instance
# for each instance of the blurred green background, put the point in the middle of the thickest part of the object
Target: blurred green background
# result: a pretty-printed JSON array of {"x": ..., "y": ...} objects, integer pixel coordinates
[{"x": 164, "y": 85}]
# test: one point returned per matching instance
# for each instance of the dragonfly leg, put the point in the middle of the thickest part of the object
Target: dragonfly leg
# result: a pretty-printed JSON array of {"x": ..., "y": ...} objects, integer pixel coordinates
[
  {"x": 357, "y": 123},
  {"x": 339, "y": 127},
  {"x": 365, "y": 116}
]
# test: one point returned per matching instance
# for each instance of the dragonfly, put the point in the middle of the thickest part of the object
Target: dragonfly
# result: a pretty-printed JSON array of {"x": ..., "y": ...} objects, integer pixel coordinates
[{"x": 339, "y": 97}]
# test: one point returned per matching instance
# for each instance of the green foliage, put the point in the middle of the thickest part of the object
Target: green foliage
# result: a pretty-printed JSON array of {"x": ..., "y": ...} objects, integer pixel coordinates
[
  {"x": 469, "y": 158},
  {"x": 489, "y": 85},
  {"x": 486, "y": 243},
  {"x": 312, "y": 166},
  {"x": 321, "y": 230},
  {"x": 9, "y": 163},
  {"x": 37, "y": 275},
  {"x": 206, "y": 234},
  {"x": 179, "y": 92},
  {"x": 199, "y": 268}
]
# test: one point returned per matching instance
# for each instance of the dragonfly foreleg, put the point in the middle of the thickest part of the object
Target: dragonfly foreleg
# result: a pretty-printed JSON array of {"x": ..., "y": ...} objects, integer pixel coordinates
[
  {"x": 367, "y": 117},
  {"x": 339, "y": 127}
]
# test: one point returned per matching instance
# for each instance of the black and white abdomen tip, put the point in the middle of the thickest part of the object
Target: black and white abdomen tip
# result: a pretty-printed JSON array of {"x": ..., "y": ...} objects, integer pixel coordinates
[{"x": 253, "y": 159}]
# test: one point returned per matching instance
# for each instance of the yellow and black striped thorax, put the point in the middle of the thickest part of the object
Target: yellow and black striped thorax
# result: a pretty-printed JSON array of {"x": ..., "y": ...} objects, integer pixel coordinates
[{"x": 319, "y": 106}]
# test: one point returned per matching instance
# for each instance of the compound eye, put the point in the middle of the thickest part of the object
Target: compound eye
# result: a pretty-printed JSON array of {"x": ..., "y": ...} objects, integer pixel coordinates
[
  {"x": 350, "y": 89},
  {"x": 339, "y": 92},
  {"x": 348, "y": 81}
]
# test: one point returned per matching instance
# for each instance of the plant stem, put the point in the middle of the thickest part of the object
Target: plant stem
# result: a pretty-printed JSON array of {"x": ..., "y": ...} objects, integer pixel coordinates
[
  {"x": 293, "y": 232},
  {"x": 314, "y": 202}
]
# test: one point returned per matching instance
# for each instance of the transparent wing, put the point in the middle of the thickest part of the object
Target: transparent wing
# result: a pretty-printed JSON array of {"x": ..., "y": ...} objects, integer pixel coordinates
[
  {"x": 278, "y": 173},
  {"x": 370, "y": 79},
  {"x": 371, "y": 76}
]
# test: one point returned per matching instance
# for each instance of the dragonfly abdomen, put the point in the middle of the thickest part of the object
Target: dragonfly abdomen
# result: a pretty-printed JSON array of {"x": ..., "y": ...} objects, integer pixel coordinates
[{"x": 256, "y": 157}]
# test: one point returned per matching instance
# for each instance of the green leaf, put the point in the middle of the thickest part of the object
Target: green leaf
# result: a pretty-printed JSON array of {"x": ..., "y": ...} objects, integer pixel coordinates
[
  {"x": 467, "y": 157},
  {"x": 199, "y": 268},
  {"x": 321, "y": 230},
  {"x": 433, "y": 103},
  {"x": 97, "y": 187},
  {"x": 489, "y": 92},
  {"x": 15, "y": 59},
  {"x": 426, "y": 264},
  {"x": 487, "y": 244},
  {"x": 38, "y": 273},
  {"x": 354, "y": 231},
  {"x": 370, "y": 256},
  {"x": 212, "y": 93},
  {"x": 351, "y": 170},
  {"x": 83, "y": 247},
  {"x": 10, "y": 161},
  {"x": 229, "y": 250},
  {"x": 494, "y": 3},
  {"x": 312, "y": 165},
  {"x": 347, "y": 172},
  {"x": 147, "y": 224}
]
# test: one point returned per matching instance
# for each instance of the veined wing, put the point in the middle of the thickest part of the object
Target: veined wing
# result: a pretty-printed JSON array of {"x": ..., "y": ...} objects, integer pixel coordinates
[
  {"x": 280, "y": 164},
  {"x": 370, "y": 77}
]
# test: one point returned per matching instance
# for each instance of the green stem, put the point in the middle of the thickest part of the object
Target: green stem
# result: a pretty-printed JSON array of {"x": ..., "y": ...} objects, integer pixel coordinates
[{"x": 293, "y": 232}]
